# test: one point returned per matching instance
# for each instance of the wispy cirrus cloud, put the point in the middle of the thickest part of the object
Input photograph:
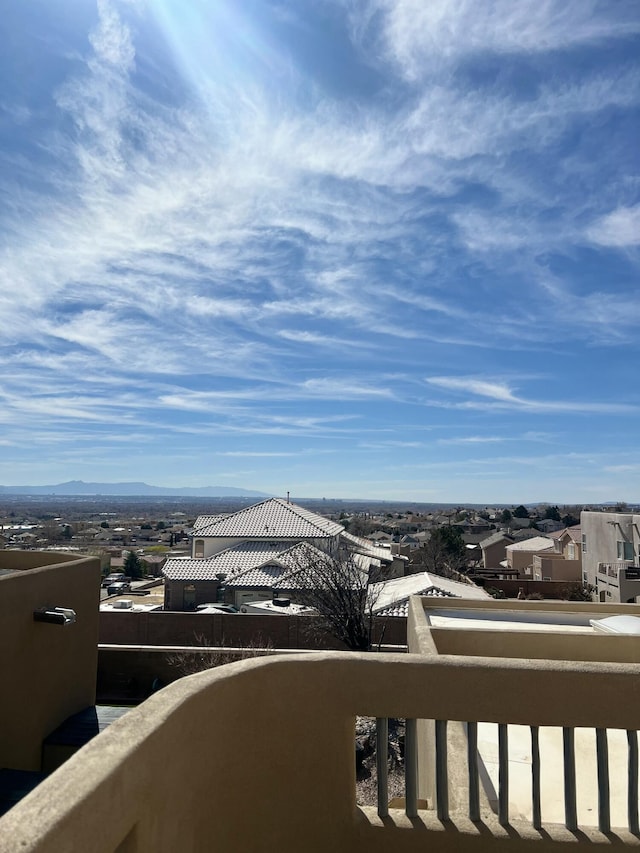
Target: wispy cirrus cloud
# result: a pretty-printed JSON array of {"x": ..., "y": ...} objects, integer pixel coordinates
[
  {"x": 238, "y": 243},
  {"x": 419, "y": 36},
  {"x": 501, "y": 395}
]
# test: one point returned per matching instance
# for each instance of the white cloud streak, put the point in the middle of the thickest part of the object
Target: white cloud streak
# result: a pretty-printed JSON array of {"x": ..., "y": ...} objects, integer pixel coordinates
[
  {"x": 502, "y": 397},
  {"x": 419, "y": 36}
]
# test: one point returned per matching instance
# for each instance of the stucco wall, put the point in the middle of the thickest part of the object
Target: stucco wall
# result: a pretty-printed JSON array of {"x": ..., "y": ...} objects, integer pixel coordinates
[
  {"x": 261, "y": 757},
  {"x": 556, "y": 569},
  {"x": 522, "y": 560},
  {"x": 537, "y": 645},
  {"x": 493, "y": 555},
  {"x": 206, "y": 592},
  {"x": 48, "y": 672},
  {"x": 511, "y": 588},
  {"x": 185, "y": 629}
]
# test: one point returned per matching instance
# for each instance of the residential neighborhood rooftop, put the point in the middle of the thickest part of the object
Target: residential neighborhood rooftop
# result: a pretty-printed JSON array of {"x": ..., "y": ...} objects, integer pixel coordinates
[
  {"x": 269, "y": 519},
  {"x": 536, "y": 543}
]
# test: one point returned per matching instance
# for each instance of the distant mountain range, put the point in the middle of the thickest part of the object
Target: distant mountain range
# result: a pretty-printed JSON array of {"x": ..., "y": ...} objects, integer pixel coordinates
[{"x": 78, "y": 487}]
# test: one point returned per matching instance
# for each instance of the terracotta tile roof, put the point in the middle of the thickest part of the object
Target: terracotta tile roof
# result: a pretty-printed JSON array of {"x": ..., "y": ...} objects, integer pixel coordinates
[
  {"x": 286, "y": 570},
  {"x": 231, "y": 561},
  {"x": 245, "y": 564},
  {"x": 261, "y": 576},
  {"x": 272, "y": 519},
  {"x": 401, "y": 608},
  {"x": 207, "y": 520},
  {"x": 364, "y": 546}
]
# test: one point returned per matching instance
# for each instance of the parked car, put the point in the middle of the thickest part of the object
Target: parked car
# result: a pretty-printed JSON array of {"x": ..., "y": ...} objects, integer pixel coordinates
[
  {"x": 114, "y": 577},
  {"x": 119, "y": 588}
]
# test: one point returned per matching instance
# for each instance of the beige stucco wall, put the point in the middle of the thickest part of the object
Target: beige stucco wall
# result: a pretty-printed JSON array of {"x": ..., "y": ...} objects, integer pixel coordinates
[
  {"x": 537, "y": 645},
  {"x": 554, "y": 568},
  {"x": 494, "y": 554},
  {"x": 258, "y": 756},
  {"x": 522, "y": 560},
  {"x": 48, "y": 672}
]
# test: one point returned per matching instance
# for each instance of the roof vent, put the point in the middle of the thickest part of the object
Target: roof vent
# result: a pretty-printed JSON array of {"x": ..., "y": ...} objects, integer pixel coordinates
[{"x": 123, "y": 604}]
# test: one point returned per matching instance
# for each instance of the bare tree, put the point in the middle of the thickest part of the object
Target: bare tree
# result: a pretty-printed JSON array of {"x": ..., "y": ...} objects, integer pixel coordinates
[
  {"x": 341, "y": 587},
  {"x": 204, "y": 656}
]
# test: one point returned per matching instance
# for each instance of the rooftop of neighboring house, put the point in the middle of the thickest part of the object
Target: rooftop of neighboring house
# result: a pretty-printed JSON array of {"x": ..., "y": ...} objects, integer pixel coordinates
[
  {"x": 270, "y": 519},
  {"x": 495, "y": 538},
  {"x": 286, "y": 570},
  {"x": 207, "y": 520},
  {"x": 132, "y": 604},
  {"x": 524, "y": 534},
  {"x": 231, "y": 561},
  {"x": 574, "y": 533},
  {"x": 264, "y": 560},
  {"x": 381, "y": 536},
  {"x": 393, "y": 594},
  {"x": 536, "y": 543},
  {"x": 278, "y": 607},
  {"x": 401, "y": 608},
  {"x": 363, "y": 546}
]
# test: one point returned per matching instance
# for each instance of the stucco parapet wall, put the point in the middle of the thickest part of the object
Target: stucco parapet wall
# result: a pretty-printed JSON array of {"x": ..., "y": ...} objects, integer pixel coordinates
[
  {"x": 494, "y": 636},
  {"x": 21, "y": 561},
  {"x": 173, "y": 774},
  {"x": 529, "y": 606}
]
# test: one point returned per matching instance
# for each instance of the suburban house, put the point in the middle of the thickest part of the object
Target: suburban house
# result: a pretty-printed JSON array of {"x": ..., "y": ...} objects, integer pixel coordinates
[
  {"x": 564, "y": 563},
  {"x": 520, "y": 554},
  {"x": 494, "y": 549},
  {"x": 259, "y": 551},
  {"x": 611, "y": 554}
]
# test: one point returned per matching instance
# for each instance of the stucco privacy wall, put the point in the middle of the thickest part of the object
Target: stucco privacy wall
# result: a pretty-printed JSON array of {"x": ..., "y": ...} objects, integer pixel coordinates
[
  {"x": 48, "y": 671},
  {"x": 215, "y": 761},
  {"x": 285, "y": 632}
]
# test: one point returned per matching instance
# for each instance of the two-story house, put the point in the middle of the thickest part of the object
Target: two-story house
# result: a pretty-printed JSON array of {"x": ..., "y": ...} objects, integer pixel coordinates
[
  {"x": 250, "y": 554},
  {"x": 611, "y": 554}
]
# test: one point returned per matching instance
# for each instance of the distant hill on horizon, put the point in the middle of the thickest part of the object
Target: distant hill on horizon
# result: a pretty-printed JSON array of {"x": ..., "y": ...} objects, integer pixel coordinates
[{"x": 79, "y": 487}]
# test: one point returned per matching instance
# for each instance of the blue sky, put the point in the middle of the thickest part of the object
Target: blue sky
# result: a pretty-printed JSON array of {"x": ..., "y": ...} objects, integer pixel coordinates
[{"x": 371, "y": 248}]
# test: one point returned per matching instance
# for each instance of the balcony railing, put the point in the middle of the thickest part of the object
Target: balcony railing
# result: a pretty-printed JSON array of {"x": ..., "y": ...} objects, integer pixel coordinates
[
  {"x": 564, "y": 784},
  {"x": 612, "y": 569},
  {"x": 259, "y": 756}
]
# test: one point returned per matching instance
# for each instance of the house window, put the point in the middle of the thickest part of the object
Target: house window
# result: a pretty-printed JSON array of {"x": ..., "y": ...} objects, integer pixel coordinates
[
  {"x": 199, "y": 548},
  {"x": 584, "y": 542},
  {"x": 572, "y": 551},
  {"x": 625, "y": 550}
]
